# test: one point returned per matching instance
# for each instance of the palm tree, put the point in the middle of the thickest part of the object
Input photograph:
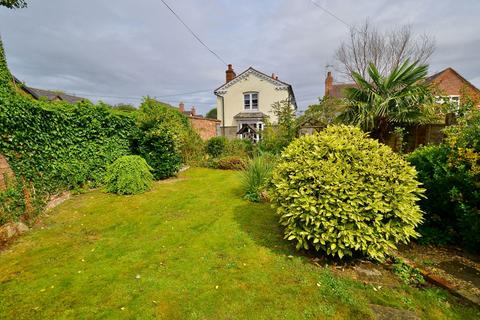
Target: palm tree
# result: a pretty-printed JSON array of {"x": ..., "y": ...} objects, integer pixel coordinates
[{"x": 401, "y": 98}]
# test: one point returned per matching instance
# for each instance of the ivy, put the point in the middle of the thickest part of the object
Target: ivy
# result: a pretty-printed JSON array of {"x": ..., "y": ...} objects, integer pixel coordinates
[{"x": 54, "y": 145}]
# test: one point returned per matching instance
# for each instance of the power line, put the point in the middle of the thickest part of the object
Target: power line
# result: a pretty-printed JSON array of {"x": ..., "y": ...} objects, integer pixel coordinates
[
  {"x": 331, "y": 14},
  {"x": 193, "y": 33}
]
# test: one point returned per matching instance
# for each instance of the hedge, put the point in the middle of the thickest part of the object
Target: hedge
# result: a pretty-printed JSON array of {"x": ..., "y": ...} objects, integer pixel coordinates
[{"x": 56, "y": 146}]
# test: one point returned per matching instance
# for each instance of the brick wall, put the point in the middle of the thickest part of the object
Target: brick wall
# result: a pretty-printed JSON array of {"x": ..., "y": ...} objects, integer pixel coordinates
[
  {"x": 206, "y": 128},
  {"x": 451, "y": 83},
  {"x": 5, "y": 172}
]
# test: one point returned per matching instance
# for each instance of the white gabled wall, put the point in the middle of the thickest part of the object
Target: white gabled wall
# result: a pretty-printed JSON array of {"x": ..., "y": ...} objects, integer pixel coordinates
[{"x": 268, "y": 94}]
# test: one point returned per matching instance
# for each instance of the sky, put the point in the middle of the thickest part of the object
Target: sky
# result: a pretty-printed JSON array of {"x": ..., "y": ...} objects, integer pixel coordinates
[{"x": 119, "y": 51}]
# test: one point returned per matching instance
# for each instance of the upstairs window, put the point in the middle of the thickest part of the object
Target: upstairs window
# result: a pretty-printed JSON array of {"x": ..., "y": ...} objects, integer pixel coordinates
[{"x": 250, "y": 101}]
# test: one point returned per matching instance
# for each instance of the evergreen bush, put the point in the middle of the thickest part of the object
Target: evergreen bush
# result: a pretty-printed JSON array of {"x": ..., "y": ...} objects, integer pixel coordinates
[
  {"x": 341, "y": 192},
  {"x": 215, "y": 146},
  {"x": 128, "y": 175},
  {"x": 166, "y": 138},
  {"x": 231, "y": 163},
  {"x": 451, "y": 175}
]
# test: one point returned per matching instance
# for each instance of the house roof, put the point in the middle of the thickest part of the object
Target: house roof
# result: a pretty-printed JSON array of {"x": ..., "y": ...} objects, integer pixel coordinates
[
  {"x": 250, "y": 115},
  {"x": 48, "y": 94},
  {"x": 432, "y": 78},
  {"x": 338, "y": 90},
  {"x": 251, "y": 70},
  {"x": 52, "y": 95},
  {"x": 246, "y": 129}
]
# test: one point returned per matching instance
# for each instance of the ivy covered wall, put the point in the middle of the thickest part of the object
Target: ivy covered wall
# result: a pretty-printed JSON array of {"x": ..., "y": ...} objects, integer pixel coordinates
[{"x": 54, "y": 146}]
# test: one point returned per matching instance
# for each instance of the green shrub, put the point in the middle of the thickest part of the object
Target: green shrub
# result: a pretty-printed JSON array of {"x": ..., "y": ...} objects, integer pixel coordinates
[
  {"x": 128, "y": 175},
  {"x": 192, "y": 148},
  {"x": 160, "y": 149},
  {"x": 256, "y": 176},
  {"x": 242, "y": 148},
  {"x": 215, "y": 146},
  {"x": 231, "y": 163},
  {"x": 451, "y": 175},
  {"x": 164, "y": 132},
  {"x": 341, "y": 192}
]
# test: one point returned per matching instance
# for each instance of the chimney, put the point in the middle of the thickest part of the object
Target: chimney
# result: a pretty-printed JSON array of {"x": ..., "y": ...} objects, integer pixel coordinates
[
  {"x": 328, "y": 84},
  {"x": 193, "y": 111},
  {"x": 230, "y": 74},
  {"x": 181, "y": 107}
]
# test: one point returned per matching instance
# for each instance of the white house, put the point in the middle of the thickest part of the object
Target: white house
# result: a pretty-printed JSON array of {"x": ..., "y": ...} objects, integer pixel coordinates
[{"x": 244, "y": 102}]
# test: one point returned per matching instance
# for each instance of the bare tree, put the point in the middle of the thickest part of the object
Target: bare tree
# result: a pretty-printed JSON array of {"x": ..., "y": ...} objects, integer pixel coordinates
[{"x": 386, "y": 50}]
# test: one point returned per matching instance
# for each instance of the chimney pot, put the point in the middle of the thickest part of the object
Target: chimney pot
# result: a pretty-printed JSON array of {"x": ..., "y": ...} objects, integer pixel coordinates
[
  {"x": 193, "y": 111},
  {"x": 181, "y": 107},
  {"x": 230, "y": 74}
]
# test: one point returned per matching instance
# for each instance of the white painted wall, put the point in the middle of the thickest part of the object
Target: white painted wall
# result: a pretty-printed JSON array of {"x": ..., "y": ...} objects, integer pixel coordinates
[{"x": 233, "y": 98}]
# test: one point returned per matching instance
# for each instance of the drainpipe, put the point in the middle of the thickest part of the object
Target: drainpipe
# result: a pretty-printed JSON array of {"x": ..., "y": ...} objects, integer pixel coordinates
[{"x": 223, "y": 114}]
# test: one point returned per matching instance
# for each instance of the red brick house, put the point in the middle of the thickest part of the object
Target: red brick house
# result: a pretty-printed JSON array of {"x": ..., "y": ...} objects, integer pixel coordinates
[
  {"x": 205, "y": 127},
  {"x": 450, "y": 86},
  {"x": 447, "y": 84}
]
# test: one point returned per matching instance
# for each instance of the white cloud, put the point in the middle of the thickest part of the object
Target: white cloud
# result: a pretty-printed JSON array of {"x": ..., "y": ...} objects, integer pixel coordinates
[{"x": 136, "y": 48}]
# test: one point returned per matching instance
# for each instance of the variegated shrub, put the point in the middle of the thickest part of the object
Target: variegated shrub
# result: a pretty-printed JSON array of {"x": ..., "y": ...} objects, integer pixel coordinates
[{"x": 341, "y": 192}]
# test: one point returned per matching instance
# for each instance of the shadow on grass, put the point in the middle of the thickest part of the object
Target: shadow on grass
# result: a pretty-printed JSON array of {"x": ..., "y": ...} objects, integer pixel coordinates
[{"x": 260, "y": 222}]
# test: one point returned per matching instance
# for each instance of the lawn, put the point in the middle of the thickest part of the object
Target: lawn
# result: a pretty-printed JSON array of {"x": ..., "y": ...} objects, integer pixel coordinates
[{"x": 191, "y": 248}]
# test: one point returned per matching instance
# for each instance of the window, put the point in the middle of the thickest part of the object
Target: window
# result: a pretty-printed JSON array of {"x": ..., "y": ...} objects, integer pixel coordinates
[
  {"x": 250, "y": 101},
  {"x": 452, "y": 100}
]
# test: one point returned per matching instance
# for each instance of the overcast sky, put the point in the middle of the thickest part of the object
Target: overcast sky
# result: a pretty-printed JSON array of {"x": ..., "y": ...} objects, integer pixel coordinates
[{"x": 120, "y": 50}]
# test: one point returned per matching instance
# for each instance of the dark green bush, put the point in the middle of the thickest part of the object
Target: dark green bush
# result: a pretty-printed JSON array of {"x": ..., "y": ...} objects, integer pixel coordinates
[
  {"x": 215, "y": 146},
  {"x": 161, "y": 152},
  {"x": 451, "y": 175},
  {"x": 164, "y": 136},
  {"x": 231, "y": 163},
  {"x": 128, "y": 175},
  {"x": 341, "y": 192}
]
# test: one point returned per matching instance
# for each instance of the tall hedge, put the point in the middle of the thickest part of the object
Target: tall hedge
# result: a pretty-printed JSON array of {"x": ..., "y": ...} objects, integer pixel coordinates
[{"x": 56, "y": 146}]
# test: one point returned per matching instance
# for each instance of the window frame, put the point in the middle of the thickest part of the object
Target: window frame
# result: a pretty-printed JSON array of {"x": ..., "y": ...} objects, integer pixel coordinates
[{"x": 250, "y": 100}]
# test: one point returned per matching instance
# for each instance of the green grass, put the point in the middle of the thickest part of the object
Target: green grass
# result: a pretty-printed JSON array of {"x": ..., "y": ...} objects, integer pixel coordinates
[{"x": 200, "y": 251}]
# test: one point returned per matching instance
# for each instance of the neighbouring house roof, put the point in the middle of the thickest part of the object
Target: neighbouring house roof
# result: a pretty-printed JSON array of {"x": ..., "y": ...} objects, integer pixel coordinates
[
  {"x": 280, "y": 85},
  {"x": 338, "y": 90},
  {"x": 250, "y": 115},
  {"x": 437, "y": 75},
  {"x": 48, "y": 94}
]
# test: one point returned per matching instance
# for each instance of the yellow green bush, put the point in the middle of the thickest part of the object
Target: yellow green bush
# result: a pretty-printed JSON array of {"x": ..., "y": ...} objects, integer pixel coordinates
[{"x": 341, "y": 192}]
